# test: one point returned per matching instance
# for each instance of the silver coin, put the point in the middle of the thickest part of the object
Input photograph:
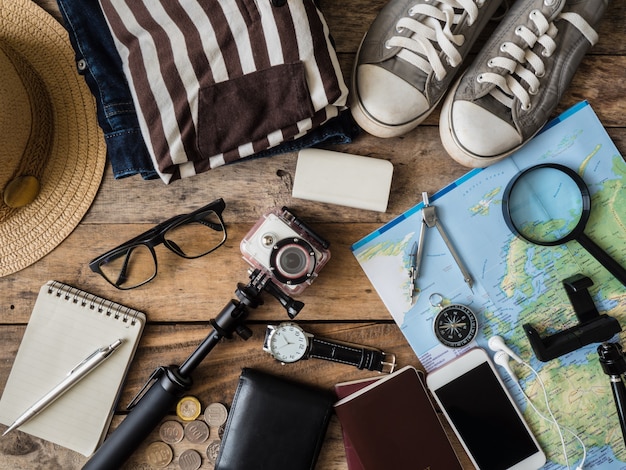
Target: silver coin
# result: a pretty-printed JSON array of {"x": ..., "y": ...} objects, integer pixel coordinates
[
  {"x": 213, "y": 450},
  {"x": 215, "y": 415},
  {"x": 159, "y": 454},
  {"x": 171, "y": 432},
  {"x": 190, "y": 460},
  {"x": 197, "y": 432}
]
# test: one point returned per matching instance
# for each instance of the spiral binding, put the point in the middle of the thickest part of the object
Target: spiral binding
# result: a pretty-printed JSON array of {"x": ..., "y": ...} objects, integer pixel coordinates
[{"x": 94, "y": 302}]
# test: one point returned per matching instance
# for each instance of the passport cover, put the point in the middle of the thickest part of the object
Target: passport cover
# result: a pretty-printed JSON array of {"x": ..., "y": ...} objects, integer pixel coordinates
[
  {"x": 275, "y": 424},
  {"x": 392, "y": 423},
  {"x": 342, "y": 390}
]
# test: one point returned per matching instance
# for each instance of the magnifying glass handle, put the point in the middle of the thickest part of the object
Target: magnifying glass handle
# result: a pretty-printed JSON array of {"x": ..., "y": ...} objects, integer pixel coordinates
[{"x": 609, "y": 263}]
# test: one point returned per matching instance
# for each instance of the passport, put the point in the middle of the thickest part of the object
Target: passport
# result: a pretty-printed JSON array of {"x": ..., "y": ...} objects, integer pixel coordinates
[{"x": 392, "y": 423}]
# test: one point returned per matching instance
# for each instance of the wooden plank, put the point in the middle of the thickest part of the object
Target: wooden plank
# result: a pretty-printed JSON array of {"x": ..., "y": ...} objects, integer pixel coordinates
[
  {"x": 215, "y": 380},
  {"x": 340, "y": 304}
]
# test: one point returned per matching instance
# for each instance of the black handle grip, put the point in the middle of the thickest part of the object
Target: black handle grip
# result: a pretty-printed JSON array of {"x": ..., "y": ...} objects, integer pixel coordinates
[{"x": 142, "y": 419}]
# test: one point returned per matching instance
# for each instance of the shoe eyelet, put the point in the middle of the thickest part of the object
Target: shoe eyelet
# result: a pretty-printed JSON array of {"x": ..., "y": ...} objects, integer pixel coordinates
[
  {"x": 411, "y": 12},
  {"x": 490, "y": 63},
  {"x": 533, "y": 14},
  {"x": 533, "y": 92},
  {"x": 480, "y": 78},
  {"x": 387, "y": 45},
  {"x": 540, "y": 74},
  {"x": 527, "y": 107},
  {"x": 399, "y": 29},
  {"x": 518, "y": 31},
  {"x": 503, "y": 47},
  {"x": 549, "y": 3}
]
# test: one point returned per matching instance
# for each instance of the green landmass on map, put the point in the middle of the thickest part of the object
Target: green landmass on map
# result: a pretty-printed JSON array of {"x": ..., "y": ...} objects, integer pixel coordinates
[{"x": 585, "y": 388}]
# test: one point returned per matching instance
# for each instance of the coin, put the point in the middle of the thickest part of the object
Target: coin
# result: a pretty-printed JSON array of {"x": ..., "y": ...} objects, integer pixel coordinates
[
  {"x": 171, "y": 432},
  {"x": 197, "y": 432},
  {"x": 188, "y": 408},
  {"x": 190, "y": 460},
  {"x": 213, "y": 450},
  {"x": 215, "y": 415},
  {"x": 159, "y": 454}
]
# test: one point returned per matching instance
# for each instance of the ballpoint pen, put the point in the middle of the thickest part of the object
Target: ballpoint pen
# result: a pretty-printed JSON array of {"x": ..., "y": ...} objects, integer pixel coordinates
[{"x": 71, "y": 379}]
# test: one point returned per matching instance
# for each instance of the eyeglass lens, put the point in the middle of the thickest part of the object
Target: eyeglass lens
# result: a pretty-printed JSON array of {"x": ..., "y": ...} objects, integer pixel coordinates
[{"x": 133, "y": 266}]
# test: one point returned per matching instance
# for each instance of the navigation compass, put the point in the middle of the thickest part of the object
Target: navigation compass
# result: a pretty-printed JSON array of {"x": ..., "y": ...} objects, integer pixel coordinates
[{"x": 456, "y": 325}]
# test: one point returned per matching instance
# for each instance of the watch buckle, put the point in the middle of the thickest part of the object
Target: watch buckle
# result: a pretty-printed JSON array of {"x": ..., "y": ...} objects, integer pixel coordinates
[{"x": 389, "y": 363}]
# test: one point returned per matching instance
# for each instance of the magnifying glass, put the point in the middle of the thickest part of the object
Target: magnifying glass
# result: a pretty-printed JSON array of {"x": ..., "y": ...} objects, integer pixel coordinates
[{"x": 549, "y": 204}]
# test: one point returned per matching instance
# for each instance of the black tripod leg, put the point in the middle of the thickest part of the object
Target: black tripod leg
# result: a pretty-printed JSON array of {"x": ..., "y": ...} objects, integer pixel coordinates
[{"x": 619, "y": 395}]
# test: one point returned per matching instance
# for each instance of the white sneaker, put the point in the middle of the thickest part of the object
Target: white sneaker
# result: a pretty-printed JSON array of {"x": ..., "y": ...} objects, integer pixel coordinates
[
  {"x": 513, "y": 86},
  {"x": 409, "y": 57}
]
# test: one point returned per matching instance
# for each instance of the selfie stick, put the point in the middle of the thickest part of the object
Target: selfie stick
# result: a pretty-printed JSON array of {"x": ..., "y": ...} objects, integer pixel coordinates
[
  {"x": 614, "y": 365},
  {"x": 167, "y": 385}
]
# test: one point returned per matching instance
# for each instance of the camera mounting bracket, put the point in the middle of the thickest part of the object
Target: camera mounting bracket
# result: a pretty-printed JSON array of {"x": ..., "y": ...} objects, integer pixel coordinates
[{"x": 592, "y": 326}]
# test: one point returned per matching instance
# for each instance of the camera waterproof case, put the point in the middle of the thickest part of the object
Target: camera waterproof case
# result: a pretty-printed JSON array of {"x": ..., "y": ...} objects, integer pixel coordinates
[{"x": 286, "y": 249}]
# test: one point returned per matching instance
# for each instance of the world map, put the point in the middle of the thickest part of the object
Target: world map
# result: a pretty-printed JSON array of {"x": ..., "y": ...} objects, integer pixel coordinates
[{"x": 516, "y": 282}]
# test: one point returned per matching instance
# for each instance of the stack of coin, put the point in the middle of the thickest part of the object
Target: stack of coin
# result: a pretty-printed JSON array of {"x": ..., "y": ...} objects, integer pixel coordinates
[{"x": 209, "y": 430}]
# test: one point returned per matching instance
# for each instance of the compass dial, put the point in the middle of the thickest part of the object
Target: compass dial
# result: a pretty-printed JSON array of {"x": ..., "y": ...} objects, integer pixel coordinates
[{"x": 455, "y": 326}]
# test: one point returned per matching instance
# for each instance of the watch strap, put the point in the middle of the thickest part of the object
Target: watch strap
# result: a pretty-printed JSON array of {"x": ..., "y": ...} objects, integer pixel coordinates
[{"x": 356, "y": 355}]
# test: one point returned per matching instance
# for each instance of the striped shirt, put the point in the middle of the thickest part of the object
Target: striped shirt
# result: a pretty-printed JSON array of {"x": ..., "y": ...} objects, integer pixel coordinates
[{"x": 215, "y": 81}]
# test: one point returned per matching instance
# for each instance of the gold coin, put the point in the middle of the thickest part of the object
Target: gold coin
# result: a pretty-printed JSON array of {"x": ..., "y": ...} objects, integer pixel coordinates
[
  {"x": 215, "y": 415},
  {"x": 21, "y": 191},
  {"x": 188, "y": 408},
  {"x": 190, "y": 460},
  {"x": 159, "y": 454},
  {"x": 197, "y": 432},
  {"x": 171, "y": 432}
]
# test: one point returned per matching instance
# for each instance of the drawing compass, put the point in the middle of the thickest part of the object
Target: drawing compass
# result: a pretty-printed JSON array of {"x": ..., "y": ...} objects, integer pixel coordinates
[
  {"x": 429, "y": 220},
  {"x": 413, "y": 273}
]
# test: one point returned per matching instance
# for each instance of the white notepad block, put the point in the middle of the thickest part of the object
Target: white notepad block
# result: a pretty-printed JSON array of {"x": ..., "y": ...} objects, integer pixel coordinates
[{"x": 342, "y": 178}]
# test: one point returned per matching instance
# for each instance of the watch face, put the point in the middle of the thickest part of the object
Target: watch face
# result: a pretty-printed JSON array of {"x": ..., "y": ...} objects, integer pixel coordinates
[
  {"x": 288, "y": 342},
  {"x": 455, "y": 326}
]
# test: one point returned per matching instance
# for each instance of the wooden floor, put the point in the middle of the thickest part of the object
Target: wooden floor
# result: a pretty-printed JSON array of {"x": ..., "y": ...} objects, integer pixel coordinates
[{"x": 340, "y": 304}]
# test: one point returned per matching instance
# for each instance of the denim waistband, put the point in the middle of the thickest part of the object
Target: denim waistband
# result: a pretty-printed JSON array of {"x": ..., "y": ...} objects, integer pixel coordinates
[{"x": 97, "y": 60}]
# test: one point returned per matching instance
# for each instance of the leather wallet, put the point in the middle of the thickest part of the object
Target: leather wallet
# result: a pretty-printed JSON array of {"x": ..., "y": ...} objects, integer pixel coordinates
[{"x": 274, "y": 423}]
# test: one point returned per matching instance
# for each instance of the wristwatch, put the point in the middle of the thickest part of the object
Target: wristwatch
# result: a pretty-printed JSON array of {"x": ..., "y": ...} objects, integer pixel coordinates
[{"x": 288, "y": 342}]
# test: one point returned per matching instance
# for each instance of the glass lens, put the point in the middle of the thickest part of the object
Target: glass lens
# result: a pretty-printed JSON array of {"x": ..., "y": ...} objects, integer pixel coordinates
[
  {"x": 545, "y": 205},
  {"x": 293, "y": 261},
  {"x": 130, "y": 267},
  {"x": 196, "y": 237}
]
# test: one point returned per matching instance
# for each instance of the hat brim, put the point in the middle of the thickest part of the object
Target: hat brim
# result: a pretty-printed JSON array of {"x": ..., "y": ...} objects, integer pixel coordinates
[{"x": 76, "y": 163}]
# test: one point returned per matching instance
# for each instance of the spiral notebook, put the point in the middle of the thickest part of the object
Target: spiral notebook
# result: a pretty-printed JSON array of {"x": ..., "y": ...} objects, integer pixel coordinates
[{"x": 67, "y": 325}]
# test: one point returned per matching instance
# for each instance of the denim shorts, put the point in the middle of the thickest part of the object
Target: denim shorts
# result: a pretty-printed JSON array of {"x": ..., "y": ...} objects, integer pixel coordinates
[{"x": 98, "y": 61}]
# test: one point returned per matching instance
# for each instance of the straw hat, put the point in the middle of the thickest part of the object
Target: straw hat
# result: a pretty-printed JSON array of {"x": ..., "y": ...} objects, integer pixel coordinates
[{"x": 52, "y": 152}]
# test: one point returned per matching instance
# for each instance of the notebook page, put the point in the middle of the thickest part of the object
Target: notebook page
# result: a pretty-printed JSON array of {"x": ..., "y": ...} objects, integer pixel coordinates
[{"x": 60, "y": 334}]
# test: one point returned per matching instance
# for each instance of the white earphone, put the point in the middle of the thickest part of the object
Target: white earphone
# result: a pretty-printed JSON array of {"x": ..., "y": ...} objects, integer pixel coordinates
[
  {"x": 501, "y": 357},
  {"x": 496, "y": 343}
]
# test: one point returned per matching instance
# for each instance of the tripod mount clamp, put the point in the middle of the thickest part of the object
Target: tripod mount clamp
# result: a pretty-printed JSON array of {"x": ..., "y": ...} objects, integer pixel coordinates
[{"x": 592, "y": 326}]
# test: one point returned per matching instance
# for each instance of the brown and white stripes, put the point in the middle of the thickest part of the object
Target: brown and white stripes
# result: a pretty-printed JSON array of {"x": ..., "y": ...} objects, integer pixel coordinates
[{"x": 219, "y": 80}]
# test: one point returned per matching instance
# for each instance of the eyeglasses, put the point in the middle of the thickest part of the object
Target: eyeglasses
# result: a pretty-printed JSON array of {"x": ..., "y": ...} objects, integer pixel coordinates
[{"x": 134, "y": 263}]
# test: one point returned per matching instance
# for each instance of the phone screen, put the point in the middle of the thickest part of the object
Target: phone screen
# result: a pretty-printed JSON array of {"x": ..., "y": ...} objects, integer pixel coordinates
[{"x": 485, "y": 418}]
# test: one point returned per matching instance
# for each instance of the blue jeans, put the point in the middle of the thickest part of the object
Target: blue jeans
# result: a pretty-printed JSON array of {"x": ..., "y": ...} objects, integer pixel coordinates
[{"x": 98, "y": 61}]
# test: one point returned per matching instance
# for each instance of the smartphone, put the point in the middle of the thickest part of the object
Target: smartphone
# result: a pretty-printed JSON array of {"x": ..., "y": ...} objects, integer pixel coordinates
[{"x": 483, "y": 414}]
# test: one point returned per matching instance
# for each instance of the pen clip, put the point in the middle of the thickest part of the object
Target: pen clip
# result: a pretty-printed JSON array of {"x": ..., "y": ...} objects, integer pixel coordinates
[
  {"x": 156, "y": 374},
  {"x": 88, "y": 358}
]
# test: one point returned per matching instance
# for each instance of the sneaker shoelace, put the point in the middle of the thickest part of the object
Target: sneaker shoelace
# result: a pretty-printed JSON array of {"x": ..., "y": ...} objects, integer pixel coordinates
[
  {"x": 515, "y": 79},
  {"x": 432, "y": 33}
]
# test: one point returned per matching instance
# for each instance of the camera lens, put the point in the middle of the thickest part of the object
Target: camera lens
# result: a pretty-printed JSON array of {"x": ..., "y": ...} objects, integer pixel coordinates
[{"x": 292, "y": 261}]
